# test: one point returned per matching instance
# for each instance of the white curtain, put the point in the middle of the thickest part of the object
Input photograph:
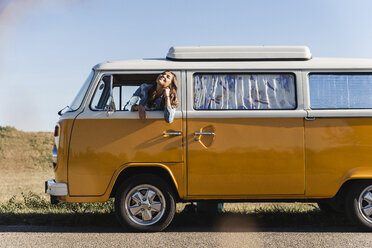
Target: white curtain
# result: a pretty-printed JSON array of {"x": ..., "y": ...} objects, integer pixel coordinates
[
  {"x": 332, "y": 91},
  {"x": 244, "y": 91}
]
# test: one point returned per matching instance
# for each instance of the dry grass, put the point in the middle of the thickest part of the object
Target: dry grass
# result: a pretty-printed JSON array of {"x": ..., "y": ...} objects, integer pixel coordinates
[
  {"x": 14, "y": 183},
  {"x": 25, "y": 161}
]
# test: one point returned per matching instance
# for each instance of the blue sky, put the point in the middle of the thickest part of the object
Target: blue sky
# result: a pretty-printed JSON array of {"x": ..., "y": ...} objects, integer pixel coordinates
[{"x": 47, "y": 48}]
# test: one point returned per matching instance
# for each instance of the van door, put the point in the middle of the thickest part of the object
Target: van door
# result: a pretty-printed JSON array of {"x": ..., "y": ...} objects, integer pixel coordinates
[
  {"x": 245, "y": 134},
  {"x": 103, "y": 141},
  {"x": 339, "y": 129}
]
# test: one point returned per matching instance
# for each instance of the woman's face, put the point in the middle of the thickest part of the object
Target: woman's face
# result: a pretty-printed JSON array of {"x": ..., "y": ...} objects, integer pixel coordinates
[{"x": 165, "y": 79}]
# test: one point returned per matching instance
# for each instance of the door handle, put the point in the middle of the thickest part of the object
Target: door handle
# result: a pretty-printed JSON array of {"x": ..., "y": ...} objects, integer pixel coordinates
[
  {"x": 172, "y": 134},
  {"x": 202, "y": 133}
]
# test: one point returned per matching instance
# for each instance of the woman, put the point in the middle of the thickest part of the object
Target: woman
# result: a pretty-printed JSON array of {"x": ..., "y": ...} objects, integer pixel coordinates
[{"x": 161, "y": 95}]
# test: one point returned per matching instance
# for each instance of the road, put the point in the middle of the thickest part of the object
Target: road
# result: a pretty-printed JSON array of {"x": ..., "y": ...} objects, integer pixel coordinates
[{"x": 38, "y": 236}]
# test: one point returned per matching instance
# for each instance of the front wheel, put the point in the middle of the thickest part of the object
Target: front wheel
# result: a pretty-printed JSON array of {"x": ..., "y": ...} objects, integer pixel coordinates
[
  {"x": 145, "y": 203},
  {"x": 359, "y": 204}
]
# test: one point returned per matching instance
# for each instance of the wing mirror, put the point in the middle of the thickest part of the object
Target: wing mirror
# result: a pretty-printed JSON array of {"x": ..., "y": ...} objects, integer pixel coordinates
[{"x": 111, "y": 108}]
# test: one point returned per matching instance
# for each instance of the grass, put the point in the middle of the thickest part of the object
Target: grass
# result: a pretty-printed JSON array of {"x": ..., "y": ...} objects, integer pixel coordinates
[
  {"x": 24, "y": 150},
  {"x": 33, "y": 209},
  {"x": 26, "y": 162}
]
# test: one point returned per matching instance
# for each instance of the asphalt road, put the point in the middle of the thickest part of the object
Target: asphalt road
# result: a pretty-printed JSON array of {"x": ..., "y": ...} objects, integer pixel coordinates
[{"x": 37, "y": 236}]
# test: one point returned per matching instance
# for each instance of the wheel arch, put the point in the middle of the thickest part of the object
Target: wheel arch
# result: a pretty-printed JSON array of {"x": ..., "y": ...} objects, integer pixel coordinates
[
  {"x": 157, "y": 169},
  {"x": 342, "y": 192}
]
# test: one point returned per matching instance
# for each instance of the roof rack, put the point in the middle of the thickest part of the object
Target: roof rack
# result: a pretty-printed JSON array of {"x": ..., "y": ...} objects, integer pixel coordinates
[{"x": 224, "y": 53}]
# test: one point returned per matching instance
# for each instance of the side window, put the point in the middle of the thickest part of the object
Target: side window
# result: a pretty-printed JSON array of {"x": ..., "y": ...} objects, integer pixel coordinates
[
  {"x": 124, "y": 86},
  {"x": 340, "y": 91},
  {"x": 101, "y": 95},
  {"x": 122, "y": 94},
  {"x": 244, "y": 91}
]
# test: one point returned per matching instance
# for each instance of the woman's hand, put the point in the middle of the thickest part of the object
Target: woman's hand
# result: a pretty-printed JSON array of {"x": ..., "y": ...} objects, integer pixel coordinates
[
  {"x": 141, "y": 112},
  {"x": 166, "y": 92}
]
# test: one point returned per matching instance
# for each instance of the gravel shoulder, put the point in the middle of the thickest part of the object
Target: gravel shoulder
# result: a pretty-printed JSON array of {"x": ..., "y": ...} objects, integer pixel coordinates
[{"x": 41, "y": 236}]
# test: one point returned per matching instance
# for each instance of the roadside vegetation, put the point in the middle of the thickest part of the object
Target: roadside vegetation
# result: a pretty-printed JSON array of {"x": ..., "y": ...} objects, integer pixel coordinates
[
  {"x": 32, "y": 209},
  {"x": 25, "y": 163}
]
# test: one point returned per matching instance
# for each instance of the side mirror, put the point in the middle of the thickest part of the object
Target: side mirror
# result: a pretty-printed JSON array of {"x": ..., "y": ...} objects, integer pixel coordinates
[{"x": 111, "y": 107}]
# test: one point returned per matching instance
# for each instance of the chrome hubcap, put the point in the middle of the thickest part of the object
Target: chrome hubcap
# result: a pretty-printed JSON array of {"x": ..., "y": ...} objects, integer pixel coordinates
[
  {"x": 145, "y": 204},
  {"x": 365, "y": 204}
]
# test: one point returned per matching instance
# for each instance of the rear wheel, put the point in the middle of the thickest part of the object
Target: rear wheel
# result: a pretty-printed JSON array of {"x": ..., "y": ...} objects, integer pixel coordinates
[
  {"x": 145, "y": 203},
  {"x": 359, "y": 204}
]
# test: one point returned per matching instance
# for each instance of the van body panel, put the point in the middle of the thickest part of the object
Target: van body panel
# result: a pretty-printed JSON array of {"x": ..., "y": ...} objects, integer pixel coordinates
[
  {"x": 246, "y": 156},
  {"x": 98, "y": 148},
  {"x": 358, "y": 173},
  {"x": 337, "y": 149},
  {"x": 65, "y": 127},
  {"x": 175, "y": 171}
]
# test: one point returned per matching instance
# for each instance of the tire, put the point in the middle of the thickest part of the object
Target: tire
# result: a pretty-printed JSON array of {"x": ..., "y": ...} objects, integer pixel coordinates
[
  {"x": 145, "y": 203},
  {"x": 358, "y": 204}
]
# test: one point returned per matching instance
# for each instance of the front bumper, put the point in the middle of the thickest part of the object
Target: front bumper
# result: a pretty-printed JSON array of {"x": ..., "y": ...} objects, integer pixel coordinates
[{"x": 55, "y": 189}]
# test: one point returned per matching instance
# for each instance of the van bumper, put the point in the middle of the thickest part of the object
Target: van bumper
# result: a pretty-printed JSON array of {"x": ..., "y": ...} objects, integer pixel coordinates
[{"x": 55, "y": 189}]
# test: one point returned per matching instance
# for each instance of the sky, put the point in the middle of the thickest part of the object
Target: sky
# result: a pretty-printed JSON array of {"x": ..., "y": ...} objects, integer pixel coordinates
[{"x": 47, "y": 48}]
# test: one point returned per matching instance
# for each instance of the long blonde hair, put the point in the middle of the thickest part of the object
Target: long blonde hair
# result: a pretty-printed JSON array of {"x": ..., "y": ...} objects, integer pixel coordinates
[{"x": 172, "y": 95}]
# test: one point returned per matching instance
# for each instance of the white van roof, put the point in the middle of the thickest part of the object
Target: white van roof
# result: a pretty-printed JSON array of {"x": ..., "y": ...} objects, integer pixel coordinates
[
  {"x": 163, "y": 64},
  {"x": 239, "y": 53},
  {"x": 238, "y": 58}
]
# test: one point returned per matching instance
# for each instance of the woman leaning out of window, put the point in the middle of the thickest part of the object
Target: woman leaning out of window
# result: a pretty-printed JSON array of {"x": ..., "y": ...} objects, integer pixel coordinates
[{"x": 161, "y": 95}]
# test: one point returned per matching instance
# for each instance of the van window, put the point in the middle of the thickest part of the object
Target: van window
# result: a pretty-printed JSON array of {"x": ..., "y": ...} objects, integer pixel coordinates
[
  {"x": 101, "y": 96},
  {"x": 340, "y": 91},
  {"x": 124, "y": 85},
  {"x": 244, "y": 91},
  {"x": 79, "y": 97}
]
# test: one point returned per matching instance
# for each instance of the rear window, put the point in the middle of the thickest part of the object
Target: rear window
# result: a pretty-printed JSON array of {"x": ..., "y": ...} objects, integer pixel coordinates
[
  {"x": 244, "y": 91},
  {"x": 340, "y": 91}
]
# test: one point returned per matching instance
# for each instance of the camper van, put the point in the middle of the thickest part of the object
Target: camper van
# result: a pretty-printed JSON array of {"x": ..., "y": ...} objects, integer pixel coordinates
[{"x": 250, "y": 124}]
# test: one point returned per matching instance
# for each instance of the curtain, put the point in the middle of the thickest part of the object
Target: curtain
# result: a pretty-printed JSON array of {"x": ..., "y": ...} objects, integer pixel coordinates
[
  {"x": 329, "y": 91},
  {"x": 244, "y": 91}
]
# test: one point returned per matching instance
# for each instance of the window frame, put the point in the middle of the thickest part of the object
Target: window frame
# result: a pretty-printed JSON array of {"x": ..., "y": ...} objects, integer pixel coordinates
[
  {"x": 333, "y": 73},
  {"x": 130, "y": 114},
  {"x": 243, "y": 113},
  {"x": 312, "y": 114},
  {"x": 99, "y": 79},
  {"x": 236, "y": 73}
]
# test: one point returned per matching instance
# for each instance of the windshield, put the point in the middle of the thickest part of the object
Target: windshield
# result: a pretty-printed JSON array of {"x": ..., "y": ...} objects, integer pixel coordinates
[{"x": 80, "y": 96}]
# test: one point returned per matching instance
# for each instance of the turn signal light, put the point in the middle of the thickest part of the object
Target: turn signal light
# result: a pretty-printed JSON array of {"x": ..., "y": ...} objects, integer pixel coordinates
[{"x": 56, "y": 131}]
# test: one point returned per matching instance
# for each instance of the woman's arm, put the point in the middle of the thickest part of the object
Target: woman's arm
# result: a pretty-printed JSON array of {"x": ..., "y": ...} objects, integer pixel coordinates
[
  {"x": 138, "y": 101},
  {"x": 169, "y": 111}
]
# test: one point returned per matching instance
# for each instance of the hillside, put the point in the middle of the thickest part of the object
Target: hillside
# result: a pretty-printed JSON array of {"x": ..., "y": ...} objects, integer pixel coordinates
[
  {"x": 25, "y": 150},
  {"x": 25, "y": 161}
]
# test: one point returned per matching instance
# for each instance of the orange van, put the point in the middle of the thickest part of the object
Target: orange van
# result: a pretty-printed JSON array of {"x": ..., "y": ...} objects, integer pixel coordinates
[{"x": 252, "y": 124}]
